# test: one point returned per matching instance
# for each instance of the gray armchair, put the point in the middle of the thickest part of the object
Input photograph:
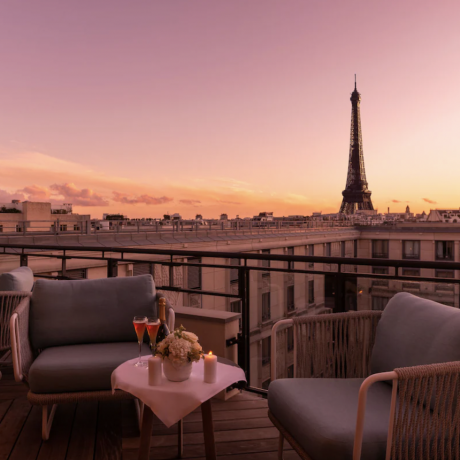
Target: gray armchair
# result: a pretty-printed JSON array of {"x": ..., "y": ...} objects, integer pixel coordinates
[
  {"x": 372, "y": 385},
  {"x": 69, "y": 336}
]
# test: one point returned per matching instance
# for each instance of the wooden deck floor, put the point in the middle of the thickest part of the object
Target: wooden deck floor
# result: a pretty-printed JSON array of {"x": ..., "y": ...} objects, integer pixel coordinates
[{"x": 108, "y": 430}]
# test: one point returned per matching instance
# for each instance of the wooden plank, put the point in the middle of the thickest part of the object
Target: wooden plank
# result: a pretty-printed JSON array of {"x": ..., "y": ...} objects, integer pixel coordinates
[
  {"x": 230, "y": 415},
  {"x": 239, "y": 405},
  {"x": 108, "y": 440},
  {"x": 82, "y": 440},
  {"x": 197, "y": 438},
  {"x": 29, "y": 441},
  {"x": 56, "y": 447},
  {"x": 13, "y": 392},
  {"x": 12, "y": 424},
  {"x": 4, "y": 406}
]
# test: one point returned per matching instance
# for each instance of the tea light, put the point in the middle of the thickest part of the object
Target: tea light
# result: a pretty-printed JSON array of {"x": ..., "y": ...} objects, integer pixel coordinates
[
  {"x": 210, "y": 368},
  {"x": 154, "y": 371}
]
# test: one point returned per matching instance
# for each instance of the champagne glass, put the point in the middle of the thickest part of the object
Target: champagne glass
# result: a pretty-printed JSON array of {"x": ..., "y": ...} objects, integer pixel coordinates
[
  {"x": 152, "y": 328},
  {"x": 139, "y": 325}
]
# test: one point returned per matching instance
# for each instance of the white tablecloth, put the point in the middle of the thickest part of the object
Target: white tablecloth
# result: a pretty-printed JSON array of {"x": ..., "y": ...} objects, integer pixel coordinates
[{"x": 172, "y": 401}]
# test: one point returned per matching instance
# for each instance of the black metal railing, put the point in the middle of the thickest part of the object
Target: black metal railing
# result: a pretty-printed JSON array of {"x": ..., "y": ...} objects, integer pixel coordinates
[{"x": 342, "y": 269}]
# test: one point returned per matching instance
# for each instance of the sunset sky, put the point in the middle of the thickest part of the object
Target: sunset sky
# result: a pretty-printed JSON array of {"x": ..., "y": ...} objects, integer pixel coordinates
[{"x": 236, "y": 106}]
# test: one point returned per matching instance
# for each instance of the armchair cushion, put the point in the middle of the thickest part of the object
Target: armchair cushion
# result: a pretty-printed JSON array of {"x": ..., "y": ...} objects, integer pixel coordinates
[
  {"x": 80, "y": 367},
  {"x": 414, "y": 331},
  {"x": 88, "y": 311},
  {"x": 19, "y": 279},
  {"x": 320, "y": 414}
]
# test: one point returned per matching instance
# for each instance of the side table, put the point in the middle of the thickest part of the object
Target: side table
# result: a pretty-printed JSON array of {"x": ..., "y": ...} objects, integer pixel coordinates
[{"x": 172, "y": 401}]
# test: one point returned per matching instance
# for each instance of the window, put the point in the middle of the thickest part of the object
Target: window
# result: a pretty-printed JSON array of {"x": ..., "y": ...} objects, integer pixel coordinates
[
  {"x": 311, "y": 252},
  {"x": 411, "y": 272},
  {"x": 265, "y": 384},
  {"x": 290, "y": 371},
  {"x": 342, "y": 248},
  {"x": 290, "y": 298},
  {"x": 379, "y": 303},
  {"x": 235, "y": 307},
  {"x": 411, "y": 249},
  {"x": 290, "y": 339},
  {"x": 234, "y": 271},
  {"x": 76, "y": 227},
  {"x": 194, "y": 274},
  {"x": 327, "y": 252},
  {"x": 290, "y": 252},
  {"x": 444, "y": 250},
  {"x": 63, "y": 227},
  {"x": 18, "y": 228},
  {"x": 75, "y": 274},
  {"x": 311, "y": 291},
  {"x": 265, "y": 306},
  {"x": 1, "y": 228},
  {"x": 266, "y": 350},
  {"x": 142, "y": 268},
  {"x": 411, "y": 286},
  {"x": 265, "y": 263},
  {"x": 380, "y": 282},
  {"x": 380, "y": 249},
  {"x": 445, "y": 274}
]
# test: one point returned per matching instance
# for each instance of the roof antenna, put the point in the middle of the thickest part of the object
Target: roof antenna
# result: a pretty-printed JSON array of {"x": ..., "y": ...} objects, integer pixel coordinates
[{"x": 355, "y": 82}]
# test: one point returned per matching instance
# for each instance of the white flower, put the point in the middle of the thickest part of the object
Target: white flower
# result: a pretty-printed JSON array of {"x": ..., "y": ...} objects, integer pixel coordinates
[
  {"x": 190, "y": 336},
  {"x": 196, "y": 346}
]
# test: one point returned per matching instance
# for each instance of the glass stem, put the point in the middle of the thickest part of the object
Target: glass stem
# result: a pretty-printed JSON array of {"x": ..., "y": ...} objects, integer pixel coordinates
[{"x": 140, "y": 351}]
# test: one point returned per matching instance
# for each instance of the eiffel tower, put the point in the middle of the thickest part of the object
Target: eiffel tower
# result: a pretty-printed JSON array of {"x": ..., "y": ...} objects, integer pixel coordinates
[{"x": 356, "y": 196}]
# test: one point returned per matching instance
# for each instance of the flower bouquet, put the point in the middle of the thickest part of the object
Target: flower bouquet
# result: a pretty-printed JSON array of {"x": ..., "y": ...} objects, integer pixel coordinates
[{"x": 179, "y": 350}]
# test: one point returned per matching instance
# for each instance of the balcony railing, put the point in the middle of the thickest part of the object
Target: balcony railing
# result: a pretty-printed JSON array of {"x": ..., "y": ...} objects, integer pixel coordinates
[{"x": 341, "y": 289}]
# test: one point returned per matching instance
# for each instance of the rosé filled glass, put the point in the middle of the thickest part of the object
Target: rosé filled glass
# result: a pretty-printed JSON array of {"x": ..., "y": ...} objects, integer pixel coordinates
[
  {"x": 139, "y": 325},
  {"x": 152, "y": 328}
]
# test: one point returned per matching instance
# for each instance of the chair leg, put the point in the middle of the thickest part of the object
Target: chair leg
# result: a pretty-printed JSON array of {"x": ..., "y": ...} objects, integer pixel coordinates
[
  {"x": 47, "y": 421},
  {"x": 280, "y": 447}
]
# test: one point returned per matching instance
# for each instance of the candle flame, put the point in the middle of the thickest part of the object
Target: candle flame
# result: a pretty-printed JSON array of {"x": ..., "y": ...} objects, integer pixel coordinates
[{"x": 210, "y": 353}]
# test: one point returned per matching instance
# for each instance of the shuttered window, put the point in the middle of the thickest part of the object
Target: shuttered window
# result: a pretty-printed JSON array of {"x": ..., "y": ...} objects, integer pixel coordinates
[
  {"x": 142, "y": 268},
  {"x": 194, "y": 274},
  {"x": 234, "y": 271},
  {"x": 75, "y": 274}
]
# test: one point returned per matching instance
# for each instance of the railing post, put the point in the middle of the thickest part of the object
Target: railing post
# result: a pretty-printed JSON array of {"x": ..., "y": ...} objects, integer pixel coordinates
[
  {"x": 64, "y": 266},
  {"x": 112, "y": 268},
  {"x": 243, "y": 344},
  {"x": 23, "y": 260}
]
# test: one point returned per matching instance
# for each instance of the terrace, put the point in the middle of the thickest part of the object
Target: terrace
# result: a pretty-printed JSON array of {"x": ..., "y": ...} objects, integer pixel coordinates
[{"x": 109, "y": 430}]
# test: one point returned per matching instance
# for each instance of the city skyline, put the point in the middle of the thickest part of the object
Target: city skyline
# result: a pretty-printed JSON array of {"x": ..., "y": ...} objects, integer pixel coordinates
[{"x": 231, "y": 108}]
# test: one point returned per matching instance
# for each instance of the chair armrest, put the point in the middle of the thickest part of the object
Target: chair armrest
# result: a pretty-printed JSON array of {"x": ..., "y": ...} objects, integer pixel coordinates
[
  {"x": 21, "y": 349},
  {"x": 9, "y": 300},
  {"x": 424, "y": 411},
  {"x": 337, "y": 345}
]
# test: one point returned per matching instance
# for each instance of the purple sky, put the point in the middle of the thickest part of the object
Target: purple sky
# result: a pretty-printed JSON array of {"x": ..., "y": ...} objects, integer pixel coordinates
[{"x": 238, "y": 106}]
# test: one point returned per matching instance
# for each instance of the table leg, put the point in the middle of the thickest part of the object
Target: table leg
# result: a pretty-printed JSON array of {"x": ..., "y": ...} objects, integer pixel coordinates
[
  {"x": 146, "y": 434},
  {"x": 180, "y": 439},
  {"x": 208, "y": 430}
]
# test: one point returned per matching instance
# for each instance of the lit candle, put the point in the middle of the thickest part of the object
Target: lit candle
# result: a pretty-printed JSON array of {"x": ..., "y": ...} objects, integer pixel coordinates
[
  {"x": 210, "y": 368},
  {"x": 154, "y": 371}
]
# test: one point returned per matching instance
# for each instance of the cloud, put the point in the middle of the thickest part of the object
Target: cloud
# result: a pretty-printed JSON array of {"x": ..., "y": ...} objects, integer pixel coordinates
[
  {"x": 427, "y": 200},
  {"x": 35, "y": 192},
  {"x": 6, "y": 197},
  {"x": 228, "y": 202},
  {"x": 78, "y": 197},
  {"x": 395, "y": 201},
  {"x": 145, "y": 199},
  {"x": 190, "y": 202}
]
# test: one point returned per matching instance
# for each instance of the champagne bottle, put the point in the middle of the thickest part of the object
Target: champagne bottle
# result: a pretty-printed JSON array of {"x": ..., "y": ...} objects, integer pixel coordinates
[{"x": 163, "y": 330}]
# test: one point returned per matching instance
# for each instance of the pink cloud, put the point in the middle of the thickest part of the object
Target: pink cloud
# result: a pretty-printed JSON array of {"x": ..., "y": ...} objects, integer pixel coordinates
[
  {"x": 395, "y": 201},
  {"x": 145, "y": 199},
  {"x": 6, "y": 197},
  {"x": 35, "y": 192},
  {"x": 190, "y": 202},
  {"x": 427, "y": 200},
  {"x": 228, "y": 202},
  {"x": 79, "y": 197}
]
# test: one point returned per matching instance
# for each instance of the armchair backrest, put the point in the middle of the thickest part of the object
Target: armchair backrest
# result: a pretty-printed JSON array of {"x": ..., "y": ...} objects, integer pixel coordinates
[
  {"x": 414, "y": 331},
  {"x": 19, "y": 279},
  {"x": 88, "y": 311}
]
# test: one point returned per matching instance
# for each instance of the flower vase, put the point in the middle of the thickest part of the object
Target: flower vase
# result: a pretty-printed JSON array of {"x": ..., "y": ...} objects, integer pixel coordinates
[{"x": 176, "y": 372}]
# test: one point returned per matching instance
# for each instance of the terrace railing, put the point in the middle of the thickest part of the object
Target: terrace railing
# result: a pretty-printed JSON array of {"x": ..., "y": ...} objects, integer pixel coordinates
[{"x": 340, "y": 282}]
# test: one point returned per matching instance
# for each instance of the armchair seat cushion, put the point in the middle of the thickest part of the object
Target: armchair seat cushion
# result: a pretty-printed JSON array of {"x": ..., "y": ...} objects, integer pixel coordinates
[
  {"x": 320, "y": 414},
  {"x": 80, "y": 367},
  {"x": 19, "y": 279}
]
